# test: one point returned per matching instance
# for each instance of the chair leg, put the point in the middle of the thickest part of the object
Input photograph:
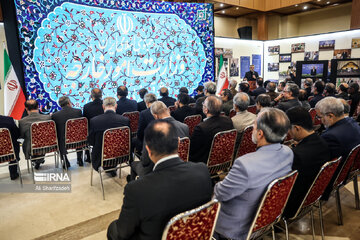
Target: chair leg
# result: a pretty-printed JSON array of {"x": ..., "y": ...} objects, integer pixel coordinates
[
  {"x": 102, "y": 185},
  {"x": 321, "y": 221},
  {"x": 338, "y": 206},
  {"x": 32, "y": 170},
  {"x": 286, "y": 229},
  {"x": 28, "y": 168},
  {"x": 312, "y": 222},
  {"x": 273, "y": 232},
  {"x": 63, "y": 163},
  {"x": 356, "y": 191},
  {"x": 91, "y": 175},
  {"x": 18, "y": 167}
]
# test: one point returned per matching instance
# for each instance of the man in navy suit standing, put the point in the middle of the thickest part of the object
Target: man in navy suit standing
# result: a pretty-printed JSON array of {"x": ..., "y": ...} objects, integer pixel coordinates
[
  {"x": 99, "y": 124},
  {"x": 124, "y": 104}
]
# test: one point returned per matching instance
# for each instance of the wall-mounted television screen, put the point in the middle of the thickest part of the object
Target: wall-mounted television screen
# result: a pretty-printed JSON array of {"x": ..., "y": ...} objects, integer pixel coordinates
[
  {"x": 312, "y": 70},
  {"x": 348, "y": 67}
]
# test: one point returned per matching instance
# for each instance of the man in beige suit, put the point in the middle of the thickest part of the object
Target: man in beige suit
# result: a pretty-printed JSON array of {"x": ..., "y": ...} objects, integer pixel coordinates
[{"x": 243, "y": 118}]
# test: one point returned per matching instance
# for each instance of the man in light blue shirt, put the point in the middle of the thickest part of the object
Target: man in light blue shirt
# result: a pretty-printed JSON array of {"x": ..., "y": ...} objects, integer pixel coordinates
[{"x": 242, "y": 189}]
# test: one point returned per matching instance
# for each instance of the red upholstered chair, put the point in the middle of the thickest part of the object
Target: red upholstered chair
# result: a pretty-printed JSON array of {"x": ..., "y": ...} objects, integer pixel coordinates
[
  {"x": 252, "y": 109},
  {"x": 196, "y": 224},
  {"x": 246, "y": 145},
  {"x": 221, "y": 152},
  {"x": 232, "y": 113},
  {"x": 309, "y": 98},
  {"x": 172, "y": 108},
  {"x": 43, "y": 140},
  {"x": 315, "y": 119},
  {"x": 313, "y": 197},
  {"x": 183, "y": 148},
  {"x": 347, "y": 173},
  {"x": 192, "y": 121},
  {"x": 134, "y": 121},
  {"x": 115, "y": 151},
  {"x": 76, "y": 133},
  {"x": 272, "y": 205},
  {"x": 7, "y": 152}
]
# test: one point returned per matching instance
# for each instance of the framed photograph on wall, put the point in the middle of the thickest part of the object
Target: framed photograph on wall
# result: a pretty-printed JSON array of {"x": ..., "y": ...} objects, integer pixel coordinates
[
  {"x": 355, "y": 43},
  {"x": 273, "y": 67},
  {"x": 285, "y": 57},
  {"x": 274, "y": 50},
  {"x": 297, "y": 47},
  {"x": 228, "y": 53},
  {"x": 311, "y": 56},
  {"x": 218, "y": 52},
  {"x": 234, "y": 67},
  {"x": 342, "y": 53},
  {"x": 326, "y": 45}
]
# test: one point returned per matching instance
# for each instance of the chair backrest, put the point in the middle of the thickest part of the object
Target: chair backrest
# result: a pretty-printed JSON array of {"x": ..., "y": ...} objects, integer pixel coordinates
[
  {"x": 273, "y": 203},
  {"x": 134, "y": 121},
  {"x": 356, "y": 165},
  {"x": 347, "y": 166},
  {"x": 196, "y": 224},
  {"x": 192, "y": 121},
  {"x": 7, "y": 152},
  {"x": 232, "y": 113},
  {"x": 316, "y": 121},
  {"x": 319, "y": 185},
  {"x": 43, "y": 137},
  {"x": 310, "y": 98},
  {"x": 172, "y": 108},
  {"x": 221, "y": 151},
  {"x": 246, "y": 144},
  {"x": 183, "y": 148},
  {"x": 115, "y": 146},
  {"x": 76, "y": 132},
  {"x": 252, "y": 109}
]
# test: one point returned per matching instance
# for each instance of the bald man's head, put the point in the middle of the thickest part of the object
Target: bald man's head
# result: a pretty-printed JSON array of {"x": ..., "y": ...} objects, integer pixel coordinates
[
  {"x": 96, "y": 93},
  {"x": 213, "y": 105},
  {"x": 164, "y": 92}
]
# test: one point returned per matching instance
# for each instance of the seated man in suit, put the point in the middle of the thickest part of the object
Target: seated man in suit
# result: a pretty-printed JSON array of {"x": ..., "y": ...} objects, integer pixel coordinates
[
  {"x": 164, "y": 94},
  {"x": 144, "y": 119},
  {"x": 227, "y": 99},
  {"x": 245, "y": 88},
  {"x": 289, "y": 96},
  {"x": 354, "y": 97},
  {"x": 199, "y": 92},
  {"x": 159, "y": 111},
  {"x": 270, "y": 88},
  {"x": 242, "y": 189},
  {"x": 310, "y": 154},
  {"x": 8, "y": 122},
  {"x": 205, "y": 131},
  {"x": 99, "y": 124},
  {"x": 262, "y": 101},
  {"x": 341, "y": 134},
  {"x": 260, "y": 88},
  {"x": 183, "y": 109},
  {"x": 93, "y": 109},
  {"x": 32, "y": 109},
  {"x": 308, "y": 87},
  {"x": 232, "y": 87},
  {"x": 343, "y": 91},
  {"x": 243, "y": 117},
  {"x": 329, "y": 90},
  {"x": 318, "y": 89},
  {"x": 141, "y": 105},
  {"x": 67, "y": 112},
  {"x": 124, "y": 104},
  {"x": 150, "y": 202},
  {"x": 209, "y": 90},
  {"x": 186, "y": 91}
]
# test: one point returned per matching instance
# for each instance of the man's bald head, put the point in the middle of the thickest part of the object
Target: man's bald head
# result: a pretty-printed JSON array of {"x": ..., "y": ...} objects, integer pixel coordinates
[
  {"x": 96, "y": 93},
  {"x": 164, "y": 92},
  {"x": 122, "y": 91},
  {"x": 213, "y": 104}
]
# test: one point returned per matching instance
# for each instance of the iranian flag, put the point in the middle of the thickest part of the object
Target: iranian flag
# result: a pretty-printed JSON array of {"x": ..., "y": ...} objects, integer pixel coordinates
[
  {"x": 14, "y": 97},
  {"x": 222, "y": 82}
]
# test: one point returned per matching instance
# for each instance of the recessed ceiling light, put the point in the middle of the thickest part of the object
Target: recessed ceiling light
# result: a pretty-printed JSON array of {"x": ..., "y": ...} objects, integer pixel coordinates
[
  {"x": 296, "y": 5},
  {"x": 223, "y": 11},
  {"x": 237, "y": 8},
  {"x": 335, "y": 4},
  {"x": 328, "y": 2},
  {"x": 318, "y": 0},
  {"x": 305, "y": 7},
  {"x": 221, "y": 4}
]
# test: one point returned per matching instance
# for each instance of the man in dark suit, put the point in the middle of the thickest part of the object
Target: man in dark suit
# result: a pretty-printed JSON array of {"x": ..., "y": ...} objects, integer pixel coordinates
[
  {"x": 341, "y": 134},
  {"x": 204, "y": 132},
  {"x": 313, "y": 71},
  {"x": 164, "y": 93},
  {"x": 186, "y": 91},
  {"x": 93, "y": 109},
  {"x": 318, "y": 89},
  {"x": 99, "y": 124},
  {"x": 144, "y": 119},
  {"x": 8, "y": 122},
  {"x": 354, "y": 97},
  {"x": 251, "y": 77},
  {"x": 209, "y": 90},
  {"x": 124, "y": 104},
  {"x": 32, "y": 108},
  {"x": 290, "y": 95},
  {"x": 150, "y": 202},
  {"x": 159, "y": 111},
  {"x": 183, "y": 109},
  {"x": 141, "y": 105},
  {"x": 245, "y": 87},
  {"x": 60, "y": 118},
  {"x": 199, "y": 92},
  {"x": 310, "y": 154},
  {"x": 260, "y": 88},
  {"x": 307, "y": 86}
]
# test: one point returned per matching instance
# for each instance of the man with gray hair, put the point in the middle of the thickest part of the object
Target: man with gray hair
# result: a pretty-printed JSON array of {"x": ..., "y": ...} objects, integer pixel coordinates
[
  {"x": 243, "y": 117},
  {"x": 290, "y": 95},
  {"x": 209, "y": 90},
  {"x": 159, "y": 111},
  {"x": 205, "y": 131},
  {"x": 232, "y": 87},
  {"x": 242, "y": 189},
  {"x": 270, "y": 90},
  {"x": 67, "y": 112},
  {"x": 99, "y": 124}
]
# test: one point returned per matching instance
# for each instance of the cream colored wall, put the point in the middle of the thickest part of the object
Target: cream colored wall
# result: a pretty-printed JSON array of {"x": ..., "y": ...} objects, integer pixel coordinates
[
  {"x": 227, "y": 27},
  {"x": 2, "y": 42}
]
